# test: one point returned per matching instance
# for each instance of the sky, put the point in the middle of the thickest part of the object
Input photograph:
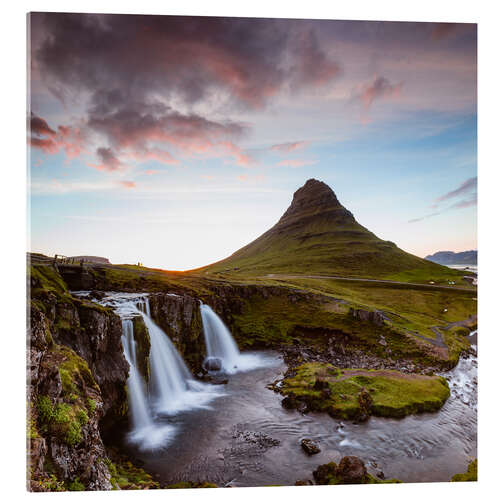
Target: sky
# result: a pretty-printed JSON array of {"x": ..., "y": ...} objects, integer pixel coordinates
[{"x": 174, "y": 141}]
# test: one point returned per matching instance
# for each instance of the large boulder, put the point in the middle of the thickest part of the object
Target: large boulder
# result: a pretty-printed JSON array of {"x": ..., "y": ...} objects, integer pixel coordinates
[
  {"x": 212, "y": 364},
  {"x": 351, "y": 470}
]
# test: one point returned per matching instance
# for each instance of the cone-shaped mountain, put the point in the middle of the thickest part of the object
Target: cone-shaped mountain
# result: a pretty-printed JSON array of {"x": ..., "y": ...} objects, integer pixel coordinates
[{"x": 317, "y": 235}]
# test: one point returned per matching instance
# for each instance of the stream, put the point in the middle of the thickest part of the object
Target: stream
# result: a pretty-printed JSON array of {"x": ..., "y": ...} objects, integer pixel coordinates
[
  {"x": 235, "y": 441},
  {"x": 238, "y": 434}
]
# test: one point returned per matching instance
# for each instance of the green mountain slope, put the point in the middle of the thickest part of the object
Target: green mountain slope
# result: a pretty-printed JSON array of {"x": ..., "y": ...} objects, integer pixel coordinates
[{"x": 318, "y": 236}]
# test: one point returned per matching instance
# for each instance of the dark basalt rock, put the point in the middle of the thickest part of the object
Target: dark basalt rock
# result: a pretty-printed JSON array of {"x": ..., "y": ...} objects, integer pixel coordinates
[
  {"x": 289, "y": 403},
  {"x": 71, "y": 445},
  {"x": 323, "y": 473},
  {"x": 375, "y": 317},
  {"x": 321, "y": 384},
  {"x": 351, "y": 470},
  {"x": 212, "y": 364},
  {"x": 180, "y": 318},
  {"x": 310, "y": 447}
]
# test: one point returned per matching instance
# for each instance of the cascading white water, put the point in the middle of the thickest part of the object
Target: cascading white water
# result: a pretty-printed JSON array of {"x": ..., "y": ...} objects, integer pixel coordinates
[
  {"x": 171, "y": 387},
  {"x": 221, "y": 345},
  {"x": 145, "y": 432},
  {"x": 218, "y": 340},
  {"x": 136, "y": 389}
]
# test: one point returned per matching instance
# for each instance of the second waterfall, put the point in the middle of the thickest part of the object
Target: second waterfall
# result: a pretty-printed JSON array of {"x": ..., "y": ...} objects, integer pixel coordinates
[{"x": 222, "y": 352}]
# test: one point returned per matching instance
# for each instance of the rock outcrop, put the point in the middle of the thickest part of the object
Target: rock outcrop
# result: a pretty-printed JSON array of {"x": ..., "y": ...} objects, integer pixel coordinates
[
  {"x": 350, "y": 470},
  {"x": 375, "y": 317},
  {"x": 180, "y": 318},
  {"x": 76, "y": 386},
  {"x": 65, "y": 407}
]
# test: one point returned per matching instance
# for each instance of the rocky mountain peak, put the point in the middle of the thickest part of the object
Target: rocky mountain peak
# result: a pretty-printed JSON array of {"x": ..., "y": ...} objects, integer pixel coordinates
[{"x": 313, "y": 196}]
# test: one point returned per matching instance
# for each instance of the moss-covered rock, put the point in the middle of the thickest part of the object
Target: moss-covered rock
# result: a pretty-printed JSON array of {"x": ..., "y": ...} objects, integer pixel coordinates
[
  {"x": 357, "y": 394},
  {"x": 127, "y": 476},
  {"x": 143, "y": 346},
  {"x": 74, "y": 354},
  {"x": 470, "y": 475},
  {"x": 350, "y": 470}
]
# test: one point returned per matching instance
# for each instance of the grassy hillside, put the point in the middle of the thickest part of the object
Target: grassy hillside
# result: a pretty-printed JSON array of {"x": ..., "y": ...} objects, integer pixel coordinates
[{"x": 318, "y": 236}]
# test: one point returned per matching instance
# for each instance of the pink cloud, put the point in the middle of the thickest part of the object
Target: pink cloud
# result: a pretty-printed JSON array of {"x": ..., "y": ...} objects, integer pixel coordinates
[
  {"x": 379, "y": 88},
  {"x": 109, "y": 162},
  {"x": 66, "y": 138},
  {"x": 289, "y": 147},
  {"x": 128, "y": 184},
  {"x": 39, "y": 126},
  {"x": 312, "y": 67}
]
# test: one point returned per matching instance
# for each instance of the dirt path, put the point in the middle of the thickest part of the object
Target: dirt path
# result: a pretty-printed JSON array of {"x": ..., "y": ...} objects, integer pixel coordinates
[{"x": 369, "y": 280}]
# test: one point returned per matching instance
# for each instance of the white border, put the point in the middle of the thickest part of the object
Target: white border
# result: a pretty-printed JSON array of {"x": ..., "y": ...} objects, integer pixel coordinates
[{"x": 13, "y": 203}]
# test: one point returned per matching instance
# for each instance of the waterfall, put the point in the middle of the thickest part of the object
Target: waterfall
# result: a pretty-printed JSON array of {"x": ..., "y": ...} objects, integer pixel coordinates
[
  {"x": 145, "y": 432},
  {"x": 219, "y": 341},
  {"x": 136, "y": 389},
  {"x": 222, "y": 352},
  {"x": 171, "y": 388}
]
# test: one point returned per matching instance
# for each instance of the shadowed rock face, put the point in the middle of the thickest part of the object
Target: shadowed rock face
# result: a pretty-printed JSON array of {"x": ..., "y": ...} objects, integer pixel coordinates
[
  {"x": 65, "y": 407},
  {"x": 76, "y": 386},
  {"x": 95, "y": 336},
  {"x": 180, "y": 318},
  {"x": 312, "y": 198}
]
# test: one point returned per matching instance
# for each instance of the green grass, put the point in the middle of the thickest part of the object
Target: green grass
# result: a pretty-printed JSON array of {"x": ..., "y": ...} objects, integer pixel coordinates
[
  {"x": 126, "y": 476},
  {"x": 190, "y": 484},
  {"x": 325, "y": 239},
  {"x": 470, "y": 475},
  {"x": 392, "y": 393},
  {"x": 65, "y": 419},
  {"x": 408, "y": 309},
  {"x": 276, "y": 321},
  {"x": 329, "y": 474}
]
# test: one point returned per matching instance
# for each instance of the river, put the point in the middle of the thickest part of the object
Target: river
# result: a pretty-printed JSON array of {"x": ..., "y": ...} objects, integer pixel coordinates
[{"x": 235, "y": 441}]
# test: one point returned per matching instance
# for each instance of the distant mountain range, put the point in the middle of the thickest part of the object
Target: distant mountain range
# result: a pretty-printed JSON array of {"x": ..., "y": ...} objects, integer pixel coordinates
[
  {"x": 318, "y": 236},
  {"x": 447, "y": 258}
]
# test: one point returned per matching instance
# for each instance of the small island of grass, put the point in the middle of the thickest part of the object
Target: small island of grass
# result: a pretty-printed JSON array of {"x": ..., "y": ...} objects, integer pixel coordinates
[{"x": 353, "y": 394}]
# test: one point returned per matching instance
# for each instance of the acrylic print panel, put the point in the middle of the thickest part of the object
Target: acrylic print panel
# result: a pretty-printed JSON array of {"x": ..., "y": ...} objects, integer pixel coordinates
[{"x": 253, "y": 252}]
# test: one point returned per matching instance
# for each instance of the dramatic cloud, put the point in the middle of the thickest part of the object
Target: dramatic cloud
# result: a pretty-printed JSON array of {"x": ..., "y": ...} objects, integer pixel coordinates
[
  {"x": 289, "y": 147},
  {"x": 108, "y": 161},
  {"x": 379, "y": 88},
  {"x": 68, "y": 139},
  {"x": 312, "y": 67},
  {"x": 141, "y": 84},
  {"x": 189, "y": 57},
  {"x": 38, "y": 126}
]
